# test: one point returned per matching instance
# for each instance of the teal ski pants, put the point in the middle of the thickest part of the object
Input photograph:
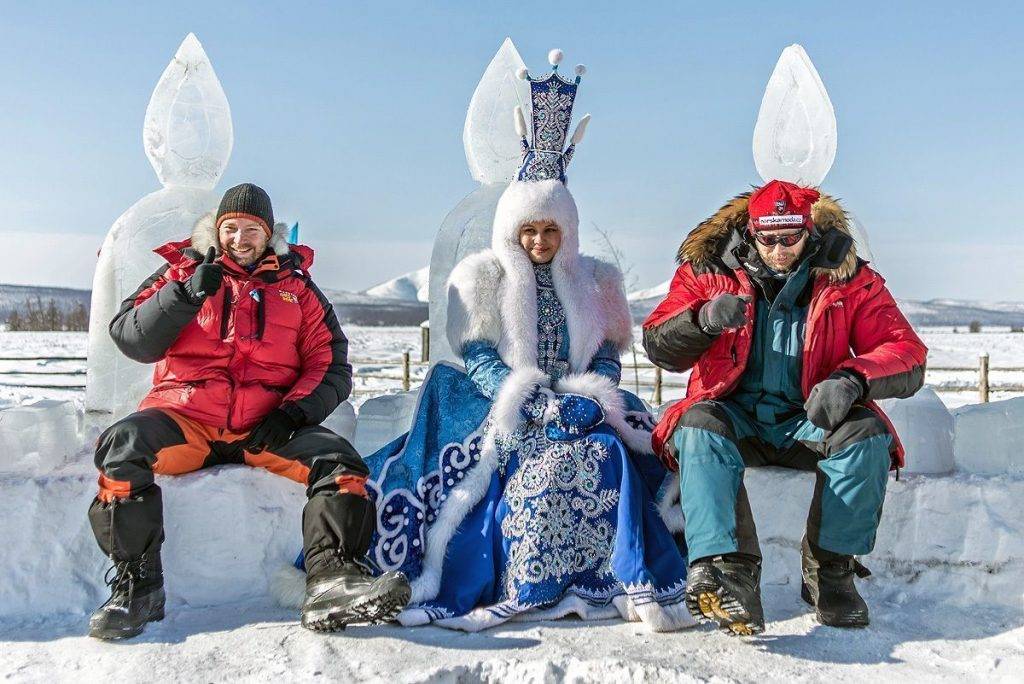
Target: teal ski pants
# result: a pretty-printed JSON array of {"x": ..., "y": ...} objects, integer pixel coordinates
[{"x": 717, "y": 440}]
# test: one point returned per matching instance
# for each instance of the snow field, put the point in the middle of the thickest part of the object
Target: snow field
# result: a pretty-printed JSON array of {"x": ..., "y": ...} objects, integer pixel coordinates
[{"x": 946, "y": 594}]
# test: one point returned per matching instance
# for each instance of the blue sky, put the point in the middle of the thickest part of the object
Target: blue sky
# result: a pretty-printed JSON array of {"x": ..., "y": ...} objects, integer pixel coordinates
[{"x": 351, "y": 116}]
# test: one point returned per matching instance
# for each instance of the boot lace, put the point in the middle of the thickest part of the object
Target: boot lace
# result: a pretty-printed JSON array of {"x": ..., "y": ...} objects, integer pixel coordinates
[{"x": 121, "y": 578}]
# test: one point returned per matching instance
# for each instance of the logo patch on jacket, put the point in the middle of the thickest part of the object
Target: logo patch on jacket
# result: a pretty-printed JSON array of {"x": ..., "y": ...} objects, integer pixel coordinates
[{"x": 288, "y": 297}]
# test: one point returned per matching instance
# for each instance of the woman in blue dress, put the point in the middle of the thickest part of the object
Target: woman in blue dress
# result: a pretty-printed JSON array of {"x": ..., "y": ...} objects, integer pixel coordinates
[{"x": 526, "y": 487}]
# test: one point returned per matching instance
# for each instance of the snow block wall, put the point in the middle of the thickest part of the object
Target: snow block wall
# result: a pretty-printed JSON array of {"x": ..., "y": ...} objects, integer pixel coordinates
[
  {"x": 989, "y": 438},
  {"x": 228, "y": 531},
  {"x": 957, "y": 537}
]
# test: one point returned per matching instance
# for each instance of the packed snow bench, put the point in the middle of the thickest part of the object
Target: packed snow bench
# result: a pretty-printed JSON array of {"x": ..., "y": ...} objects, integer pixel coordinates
[{"x": 955, "y": 515}]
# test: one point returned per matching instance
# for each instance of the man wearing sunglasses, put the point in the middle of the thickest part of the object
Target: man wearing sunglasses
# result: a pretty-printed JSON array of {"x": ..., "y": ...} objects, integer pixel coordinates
[{"x": 791, "y": 338}]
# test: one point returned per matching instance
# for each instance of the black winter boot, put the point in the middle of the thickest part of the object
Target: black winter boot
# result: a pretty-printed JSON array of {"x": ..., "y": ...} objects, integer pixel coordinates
[
  {"x": 340, "y": 590},
  {"x": 130, "y": 533},
  {"x": 727, "y": 590},
  {"x": 136, "y": 597},
  {"x": 828, "y": 586}
]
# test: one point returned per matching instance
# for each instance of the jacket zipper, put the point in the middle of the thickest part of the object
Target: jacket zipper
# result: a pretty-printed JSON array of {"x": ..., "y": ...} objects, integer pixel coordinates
[{"x": 225, "y": 313}]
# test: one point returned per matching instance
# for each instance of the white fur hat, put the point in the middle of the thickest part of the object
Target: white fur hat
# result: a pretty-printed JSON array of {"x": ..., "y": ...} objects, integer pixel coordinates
[{"x": 526, "y": 201}]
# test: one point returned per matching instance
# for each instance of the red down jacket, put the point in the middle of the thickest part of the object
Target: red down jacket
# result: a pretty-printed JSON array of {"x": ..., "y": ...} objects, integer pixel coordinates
[
  {"x": 264, "y": 340},
  {"x": 853, "y": 321}
]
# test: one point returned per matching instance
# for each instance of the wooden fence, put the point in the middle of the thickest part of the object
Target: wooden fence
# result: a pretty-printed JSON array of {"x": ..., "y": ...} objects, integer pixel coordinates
[{"x": 402, "y": 372}]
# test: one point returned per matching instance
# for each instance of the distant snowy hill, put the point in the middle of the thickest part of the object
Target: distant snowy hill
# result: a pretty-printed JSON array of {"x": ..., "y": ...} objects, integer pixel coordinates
[
  {"x": 17, "y": 296},
  {"x": 412, "y": 287},
  {"x": 938, "y": 312}
]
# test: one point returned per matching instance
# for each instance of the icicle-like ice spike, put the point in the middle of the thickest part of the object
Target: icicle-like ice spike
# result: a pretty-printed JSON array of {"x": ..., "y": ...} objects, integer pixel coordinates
[
  {"x": 795, "y": 134},
  {"x": 581, "y": 129},
  {"x": 520, "y": 122},
  {"x": 493, "y": 150}
]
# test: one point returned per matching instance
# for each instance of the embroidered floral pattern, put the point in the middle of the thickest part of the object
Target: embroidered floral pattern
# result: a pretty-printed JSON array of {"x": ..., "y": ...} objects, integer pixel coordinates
[
  {"x": 558, "y": 522},
  {"x": 552, "y": 101},
  {"x": 403, "y": 515},
  {"x": 550, "y": 325}
]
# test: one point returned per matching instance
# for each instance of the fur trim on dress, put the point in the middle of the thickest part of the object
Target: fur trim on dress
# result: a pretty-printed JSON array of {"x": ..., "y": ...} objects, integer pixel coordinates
[
  {"x": 486, "y": 301},
  {"x": 459, "y": 503},
  {"x": 204, "y": 236},
  {"x": 701, "y": 245},
  {"x": 515, "y": 390}
]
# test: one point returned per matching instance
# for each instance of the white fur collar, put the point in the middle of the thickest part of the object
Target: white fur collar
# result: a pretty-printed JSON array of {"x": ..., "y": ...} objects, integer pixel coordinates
[
  {"x": 485, "y": 303},
  {"x": 204, "y": 236}
]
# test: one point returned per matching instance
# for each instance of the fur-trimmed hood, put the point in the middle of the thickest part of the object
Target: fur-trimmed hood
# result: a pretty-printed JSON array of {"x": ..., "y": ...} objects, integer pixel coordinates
[
  {"x": 204, "y": 236},
  {"x": 711, "y": 237}
]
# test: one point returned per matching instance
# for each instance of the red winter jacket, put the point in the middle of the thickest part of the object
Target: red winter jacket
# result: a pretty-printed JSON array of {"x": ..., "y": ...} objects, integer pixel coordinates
[
  {"x": 853, "y": 322},
  {"x": 264, "y": 340}
]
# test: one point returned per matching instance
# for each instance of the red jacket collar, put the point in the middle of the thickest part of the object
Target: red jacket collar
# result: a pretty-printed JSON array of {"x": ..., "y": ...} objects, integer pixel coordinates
[{"x": 176, "y": 254}]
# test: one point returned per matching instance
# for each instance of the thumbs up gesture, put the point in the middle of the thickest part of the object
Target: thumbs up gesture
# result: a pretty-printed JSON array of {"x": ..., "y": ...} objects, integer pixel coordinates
[{"x": 206, "y": 280}]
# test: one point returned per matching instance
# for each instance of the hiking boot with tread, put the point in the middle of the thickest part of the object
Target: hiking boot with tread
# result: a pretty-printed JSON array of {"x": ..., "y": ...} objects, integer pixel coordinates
[
  {"x": 348, "y": 593},
  {"x": 726, "y": 590}
]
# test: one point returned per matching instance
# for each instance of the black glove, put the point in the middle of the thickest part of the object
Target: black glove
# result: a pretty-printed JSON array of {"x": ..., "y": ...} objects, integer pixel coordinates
[
  {"x": 206, "y": 280},
  {"x": 272, "y": 433},
  {"x": 724, "y": 311},
  {"x": 832, "y": 398}
]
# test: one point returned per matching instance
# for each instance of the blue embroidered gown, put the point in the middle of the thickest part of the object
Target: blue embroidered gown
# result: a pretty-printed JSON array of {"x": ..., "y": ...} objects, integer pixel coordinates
[{"x": 518, "y": 526}]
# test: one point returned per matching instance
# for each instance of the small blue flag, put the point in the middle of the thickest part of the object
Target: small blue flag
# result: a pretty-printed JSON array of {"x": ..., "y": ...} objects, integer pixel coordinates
[{"x": 293, "y": 234}]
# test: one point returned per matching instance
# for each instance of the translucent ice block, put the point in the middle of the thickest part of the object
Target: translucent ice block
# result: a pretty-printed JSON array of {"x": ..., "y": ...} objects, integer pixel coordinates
[
  {"x": 987, "y": 438},
  {"x": 489, "y": 136},
  {"x": 188, "y": 133},
  {"x": 925, "y": 427},
  {"x": 187, "y": 136},
  {"x": 795, "y": 133},
  {"x": 467, "y": 229},
  {"x": 115, "y": 383},
  {"x": 37, "y": 438}
]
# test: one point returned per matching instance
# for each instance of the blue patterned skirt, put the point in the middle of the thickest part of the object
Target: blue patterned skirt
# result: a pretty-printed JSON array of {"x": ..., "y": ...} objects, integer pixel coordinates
[{"x": 520, "y": 527}]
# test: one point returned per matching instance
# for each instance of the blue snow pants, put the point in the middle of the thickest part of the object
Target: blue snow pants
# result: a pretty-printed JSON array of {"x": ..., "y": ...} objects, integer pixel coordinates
[{"x": 717, "y": 440}]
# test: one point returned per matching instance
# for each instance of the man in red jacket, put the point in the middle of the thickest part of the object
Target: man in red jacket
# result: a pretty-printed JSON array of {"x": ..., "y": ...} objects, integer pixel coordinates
[
  {"x": 791, "y": 339},
  {"x": 250, "y": 359}
]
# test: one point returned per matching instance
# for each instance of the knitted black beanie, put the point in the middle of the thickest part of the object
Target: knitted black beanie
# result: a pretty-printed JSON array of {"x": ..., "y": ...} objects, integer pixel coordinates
[{"x": 247, "y": 201}]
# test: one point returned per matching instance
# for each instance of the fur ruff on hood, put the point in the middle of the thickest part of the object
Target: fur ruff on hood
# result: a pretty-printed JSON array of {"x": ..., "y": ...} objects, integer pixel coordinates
[
  {"x": 204, "y": 236},
  {"x": 492, "y": 295},
  {"x": 704, "y": 242}
]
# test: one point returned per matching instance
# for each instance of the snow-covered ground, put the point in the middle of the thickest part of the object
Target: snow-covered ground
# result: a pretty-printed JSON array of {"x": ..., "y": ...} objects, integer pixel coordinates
[
  {"x": 258, "y": 642},
  {"x": 946, "y": 596}
]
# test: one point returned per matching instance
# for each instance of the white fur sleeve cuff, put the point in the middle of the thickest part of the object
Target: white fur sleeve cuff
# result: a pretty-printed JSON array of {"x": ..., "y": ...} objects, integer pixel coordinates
[
  {"x": 514, "y": 392},
  {"x": 599, "y": 388},
  {"x": 606, "y": 393}
]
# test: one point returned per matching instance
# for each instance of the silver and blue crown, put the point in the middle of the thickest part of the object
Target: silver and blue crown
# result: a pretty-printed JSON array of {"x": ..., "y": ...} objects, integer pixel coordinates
[{"x": 551, "y": 100}]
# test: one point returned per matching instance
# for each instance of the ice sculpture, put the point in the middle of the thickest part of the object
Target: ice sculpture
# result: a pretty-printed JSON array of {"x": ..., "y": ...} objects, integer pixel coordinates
[
  {"x": 795, "y": 133},
  {"x": 795, "y": 136},
  {"x": 493, "y": 154},
  {"x": 188, "y": 137}
]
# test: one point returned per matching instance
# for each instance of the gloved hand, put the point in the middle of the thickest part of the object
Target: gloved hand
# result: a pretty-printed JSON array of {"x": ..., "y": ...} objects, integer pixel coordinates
[
  {"x": 724, "y": 311},
  {"x": 831, "y": 400},
  {"x": 576, "y": 416},
  {"x": 206, "y": 280},
  {"x": 272, "y": 433},
  {"x": 532, "y": 410}
]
